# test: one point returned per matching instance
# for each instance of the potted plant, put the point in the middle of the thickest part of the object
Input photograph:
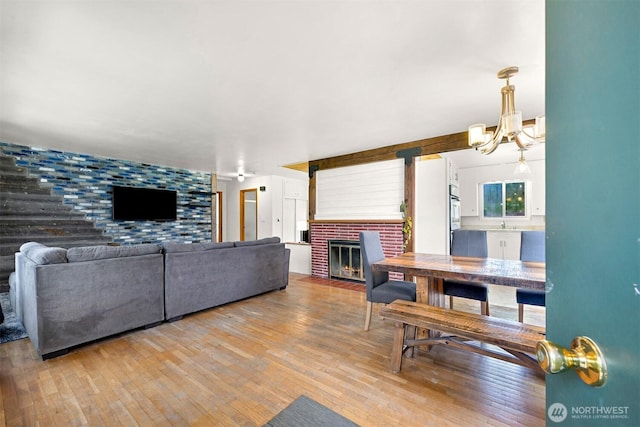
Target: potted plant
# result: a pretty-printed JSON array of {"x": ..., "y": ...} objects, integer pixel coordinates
[{"x": 407, "y": 225}]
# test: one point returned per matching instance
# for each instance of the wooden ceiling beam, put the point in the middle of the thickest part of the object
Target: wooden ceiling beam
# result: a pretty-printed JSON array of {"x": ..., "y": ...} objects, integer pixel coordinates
[
  {"x": 421, "y": 147},
  {"x": 427, "y": 146},
  {"x": 439, "y": 144}
]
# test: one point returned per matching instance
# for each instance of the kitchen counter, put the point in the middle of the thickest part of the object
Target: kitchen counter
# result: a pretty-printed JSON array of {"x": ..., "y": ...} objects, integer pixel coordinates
[{"x": 504, "y": 229}]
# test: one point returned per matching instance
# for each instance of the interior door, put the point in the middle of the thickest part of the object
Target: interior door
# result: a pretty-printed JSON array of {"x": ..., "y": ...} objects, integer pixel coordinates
[
  {"x": 593, "y": 208},
  {"x": 249, "y": 214}
]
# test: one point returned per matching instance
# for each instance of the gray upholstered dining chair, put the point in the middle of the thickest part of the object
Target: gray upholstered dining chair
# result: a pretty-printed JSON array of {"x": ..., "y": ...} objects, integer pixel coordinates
[
  {"x": 379, "y": 288},
  {"x": 470, "y": 243},
  {"x": 531, "y": 249}
]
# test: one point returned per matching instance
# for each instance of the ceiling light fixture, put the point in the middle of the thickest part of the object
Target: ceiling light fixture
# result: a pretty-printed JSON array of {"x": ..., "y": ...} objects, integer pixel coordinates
[
  {"x": 240, "y": 174},
  {"x": 522, "y": 168},
  {"x": 509, "y": 124}
]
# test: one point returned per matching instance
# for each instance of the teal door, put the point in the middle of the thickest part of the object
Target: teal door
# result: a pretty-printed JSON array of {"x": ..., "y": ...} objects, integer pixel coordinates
[{"x": 593, "y": 204}]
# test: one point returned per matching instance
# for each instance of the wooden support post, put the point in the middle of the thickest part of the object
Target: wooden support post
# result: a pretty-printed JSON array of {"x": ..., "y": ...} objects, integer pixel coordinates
[{"x": 409, "y": 197}]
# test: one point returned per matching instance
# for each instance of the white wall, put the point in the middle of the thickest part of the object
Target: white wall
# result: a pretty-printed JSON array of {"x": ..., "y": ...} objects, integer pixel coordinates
[
  {"x": 295, "y": 215},
  {"x": 300, "y": 258},
  {"x": 369, "y": 191},
  {"x": 270, "y": 205},
  {"x": 431, "y": 222},
  {"x": 265, "y": 209}
]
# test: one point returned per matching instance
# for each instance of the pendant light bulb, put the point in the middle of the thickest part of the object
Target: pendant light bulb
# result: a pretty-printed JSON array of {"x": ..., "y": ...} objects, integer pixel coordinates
[{"x": 522, "y": 168}]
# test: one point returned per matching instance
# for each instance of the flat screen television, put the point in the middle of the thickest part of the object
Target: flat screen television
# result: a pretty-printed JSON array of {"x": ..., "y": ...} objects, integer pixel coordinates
[{"x": 144, "y": 204}]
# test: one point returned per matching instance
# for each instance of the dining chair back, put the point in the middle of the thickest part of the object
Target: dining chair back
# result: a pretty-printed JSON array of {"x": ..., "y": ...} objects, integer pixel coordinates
[
  {"x": 469, "y": 243},
  {"x": 532, "y": 248},
  {"x": 472, "y": 243},
  {"x": 379, "y": 289}
]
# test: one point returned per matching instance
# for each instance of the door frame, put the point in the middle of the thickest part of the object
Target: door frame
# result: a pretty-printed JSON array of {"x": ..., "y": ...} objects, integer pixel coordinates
[
  {"x": 219, "y": 219},
  {"x": 242, "y": 211}
]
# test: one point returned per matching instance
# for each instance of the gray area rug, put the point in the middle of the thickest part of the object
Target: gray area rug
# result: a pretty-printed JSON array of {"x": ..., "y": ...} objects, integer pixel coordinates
[
  {"x": 11, "y": 329},
  {"x": 308, "y": 413}
]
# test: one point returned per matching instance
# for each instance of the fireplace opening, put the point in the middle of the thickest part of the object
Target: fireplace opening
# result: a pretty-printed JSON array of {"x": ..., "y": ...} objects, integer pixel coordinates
[{"x": 345, "y": 260}]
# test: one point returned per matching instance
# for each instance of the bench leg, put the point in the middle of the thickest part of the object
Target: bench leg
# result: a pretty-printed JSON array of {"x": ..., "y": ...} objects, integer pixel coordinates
[
  {"x": 520, "y": 313},
  {"x": 396, "y": 349},
  {"x": 410, "y": 334},
  {"x": 484, "y": 308}
]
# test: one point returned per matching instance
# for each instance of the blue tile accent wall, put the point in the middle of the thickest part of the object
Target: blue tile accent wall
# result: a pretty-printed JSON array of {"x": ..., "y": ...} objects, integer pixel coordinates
[{"x": 85, "y": 182}]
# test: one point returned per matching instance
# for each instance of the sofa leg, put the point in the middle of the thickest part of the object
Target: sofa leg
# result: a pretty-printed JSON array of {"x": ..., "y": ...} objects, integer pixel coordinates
[
  {"x": 152, "y": 325},
  {"x": 173, "y": 319},
  {"x": 55, "y": 354}
]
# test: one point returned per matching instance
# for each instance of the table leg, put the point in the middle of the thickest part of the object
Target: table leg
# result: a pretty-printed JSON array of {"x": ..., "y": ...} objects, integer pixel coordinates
[
  {"x": 429, "y": 291},
  {"x": 422, "y": 289},
  {"x": 436, "y": 291}
]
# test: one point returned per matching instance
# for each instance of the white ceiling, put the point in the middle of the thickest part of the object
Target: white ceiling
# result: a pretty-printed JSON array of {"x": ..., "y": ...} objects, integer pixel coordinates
[{"x": 213, "y": 85}]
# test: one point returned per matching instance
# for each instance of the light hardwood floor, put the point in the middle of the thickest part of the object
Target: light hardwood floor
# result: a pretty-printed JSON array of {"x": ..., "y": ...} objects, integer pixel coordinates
[{"x": 242, "y": 363}]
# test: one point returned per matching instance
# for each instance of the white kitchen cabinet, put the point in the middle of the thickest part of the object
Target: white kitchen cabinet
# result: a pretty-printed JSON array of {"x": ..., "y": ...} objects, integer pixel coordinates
[
  {"x": 452, "y": 171},
  {"x": 296, "y": 190},
  {"x": 468, "y": 182},
  {"x": 469, "y": 205},
  {"x": 538, "y": 193},
  {"x": 503, "y": 244}
]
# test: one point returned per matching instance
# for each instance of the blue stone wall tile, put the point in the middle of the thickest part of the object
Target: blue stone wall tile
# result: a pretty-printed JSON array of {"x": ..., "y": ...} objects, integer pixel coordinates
[{"x": 84, "y": 182}]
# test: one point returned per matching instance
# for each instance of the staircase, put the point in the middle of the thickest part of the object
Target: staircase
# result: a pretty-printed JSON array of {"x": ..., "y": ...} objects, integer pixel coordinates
[{"x": 29, "y": 212}]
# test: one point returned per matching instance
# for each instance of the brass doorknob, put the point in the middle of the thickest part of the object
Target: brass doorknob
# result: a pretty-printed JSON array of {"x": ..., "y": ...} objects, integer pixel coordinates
[{"x": 584, "y": 356}]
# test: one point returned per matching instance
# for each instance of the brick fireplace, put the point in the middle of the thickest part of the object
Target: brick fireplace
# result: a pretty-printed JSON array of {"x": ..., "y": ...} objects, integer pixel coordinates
[{"x": 322, "y": 231}]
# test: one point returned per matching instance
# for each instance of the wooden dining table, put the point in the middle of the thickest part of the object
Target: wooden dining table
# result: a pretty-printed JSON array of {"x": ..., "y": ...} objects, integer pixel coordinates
[{"x": 430, "y": 270}]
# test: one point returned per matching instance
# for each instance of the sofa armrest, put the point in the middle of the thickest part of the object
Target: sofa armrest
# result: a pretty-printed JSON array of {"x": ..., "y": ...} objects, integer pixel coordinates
[
  {"x": 287, "y": 256},
  {"x": 69, "y": 304}
]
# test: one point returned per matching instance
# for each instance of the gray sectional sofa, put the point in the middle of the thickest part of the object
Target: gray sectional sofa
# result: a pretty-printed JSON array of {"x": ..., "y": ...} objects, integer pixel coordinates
[
  {"x": 200, "y": 276},
  {"x": 68, "y": 297}
]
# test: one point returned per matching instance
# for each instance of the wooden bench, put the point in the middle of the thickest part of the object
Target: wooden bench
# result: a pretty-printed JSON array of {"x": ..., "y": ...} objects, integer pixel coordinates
[{"x": 518, "y": 340}]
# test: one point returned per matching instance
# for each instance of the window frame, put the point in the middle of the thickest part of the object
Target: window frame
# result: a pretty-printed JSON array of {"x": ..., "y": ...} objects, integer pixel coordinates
[{"x": 503, "y": 184}]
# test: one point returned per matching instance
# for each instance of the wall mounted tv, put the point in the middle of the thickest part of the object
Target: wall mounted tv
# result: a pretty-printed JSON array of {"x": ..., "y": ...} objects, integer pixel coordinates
[{"x": 144, "y": 204}]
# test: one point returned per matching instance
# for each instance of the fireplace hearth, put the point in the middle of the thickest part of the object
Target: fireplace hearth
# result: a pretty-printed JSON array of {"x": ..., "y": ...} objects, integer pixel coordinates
[
  {"x": 345, "y": 260},
  {"x": 321, "y": 232}
]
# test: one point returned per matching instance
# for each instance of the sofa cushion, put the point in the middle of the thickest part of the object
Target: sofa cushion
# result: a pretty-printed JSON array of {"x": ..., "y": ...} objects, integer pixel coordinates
[
  {"x": 43, "y": 255},
  {"x": 90, "y": 253},
  {"x": 264, "y": 241},
  {"x": 192, "y": 247},
  {"x": 26, "y": 246}
]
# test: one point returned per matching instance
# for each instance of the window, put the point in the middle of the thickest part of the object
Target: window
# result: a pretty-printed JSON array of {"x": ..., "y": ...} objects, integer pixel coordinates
[{"x": 504, "y": 199}]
